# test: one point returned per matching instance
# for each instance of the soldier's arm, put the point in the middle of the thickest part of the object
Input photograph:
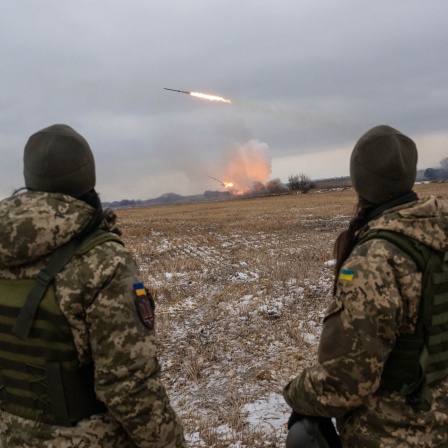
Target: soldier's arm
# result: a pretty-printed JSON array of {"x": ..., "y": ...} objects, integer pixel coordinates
[
  {"x": 360, "y": 328},
  {"x": 127, "y": 373}
]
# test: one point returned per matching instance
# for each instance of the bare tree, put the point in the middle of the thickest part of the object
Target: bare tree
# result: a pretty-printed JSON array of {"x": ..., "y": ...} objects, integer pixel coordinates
[{"x": 300, "y": 182}]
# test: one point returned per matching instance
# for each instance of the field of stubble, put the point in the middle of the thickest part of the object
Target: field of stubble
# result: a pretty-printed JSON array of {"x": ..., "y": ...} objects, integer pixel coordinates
[{"x": 241, "y": 287}]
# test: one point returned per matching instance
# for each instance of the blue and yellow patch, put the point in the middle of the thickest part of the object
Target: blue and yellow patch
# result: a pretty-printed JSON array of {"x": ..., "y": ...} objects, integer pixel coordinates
[
  {"x": 139, "y": 289},
  {"x": 144, "y": 304},
  {"x": 346, "y": 274}
]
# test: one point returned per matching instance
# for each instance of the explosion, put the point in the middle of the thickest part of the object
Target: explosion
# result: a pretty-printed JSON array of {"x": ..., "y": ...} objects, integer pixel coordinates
[{"x": 247, "y": 165}]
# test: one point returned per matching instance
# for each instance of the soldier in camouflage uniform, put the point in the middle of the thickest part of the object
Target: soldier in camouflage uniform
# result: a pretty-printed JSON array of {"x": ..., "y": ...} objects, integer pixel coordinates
[
  {"x": 376, "y": 300},
  {"x": 96, "y": 292}
]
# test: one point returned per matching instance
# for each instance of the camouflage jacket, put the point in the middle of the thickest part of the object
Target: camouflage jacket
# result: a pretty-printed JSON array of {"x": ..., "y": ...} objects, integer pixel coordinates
[
  {"x": 377, "y": 302},
  {"x": 95, "y": 293}
]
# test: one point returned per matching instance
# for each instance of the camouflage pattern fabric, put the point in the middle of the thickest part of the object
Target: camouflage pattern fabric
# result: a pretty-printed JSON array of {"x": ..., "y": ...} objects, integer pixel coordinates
[
  {"x": 377, "y": 298},
  {"x": 95, "y": 291}
]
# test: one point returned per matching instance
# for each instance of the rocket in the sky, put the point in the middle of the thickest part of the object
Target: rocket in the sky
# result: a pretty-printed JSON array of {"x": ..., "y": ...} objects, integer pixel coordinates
[
  {"x": 204, "y": 96},
  {"x": 180, "y": 91}
]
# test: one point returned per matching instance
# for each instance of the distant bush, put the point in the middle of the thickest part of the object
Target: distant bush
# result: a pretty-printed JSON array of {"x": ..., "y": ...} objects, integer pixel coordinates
[
  {"x": 300, "y": 182},
  {"x": 436, "y": 174}
]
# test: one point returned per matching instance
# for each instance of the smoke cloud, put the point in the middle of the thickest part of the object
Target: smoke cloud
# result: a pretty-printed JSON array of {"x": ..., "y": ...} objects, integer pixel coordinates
[{"x": 247, "y": 163}]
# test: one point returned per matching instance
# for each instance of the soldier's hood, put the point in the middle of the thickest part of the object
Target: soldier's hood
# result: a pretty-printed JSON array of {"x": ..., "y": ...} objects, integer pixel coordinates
[
  {"x": 33, "y": 224},
  {"x": 424, "y": 220}
]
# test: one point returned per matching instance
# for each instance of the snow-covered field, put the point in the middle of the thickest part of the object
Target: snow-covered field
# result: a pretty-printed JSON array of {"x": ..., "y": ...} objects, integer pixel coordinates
[{"x": 241, "y": 288}]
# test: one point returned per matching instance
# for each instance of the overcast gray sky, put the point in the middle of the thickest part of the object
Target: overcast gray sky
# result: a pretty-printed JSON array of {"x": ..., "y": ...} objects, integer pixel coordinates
[{"x": 306, "y": 79}]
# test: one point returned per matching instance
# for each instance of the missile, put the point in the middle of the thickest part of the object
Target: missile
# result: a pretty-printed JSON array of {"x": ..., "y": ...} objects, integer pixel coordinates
[
  {"x": 217, "y": 180},
  {"x": 224, "y": 184},
  {"x": 180, "y": 91},
  {"x": 204, "y": 96}
]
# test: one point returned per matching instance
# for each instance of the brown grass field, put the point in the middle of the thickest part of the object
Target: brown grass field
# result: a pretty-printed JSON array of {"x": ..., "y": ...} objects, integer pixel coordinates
[{"x": 241, "y": 287}]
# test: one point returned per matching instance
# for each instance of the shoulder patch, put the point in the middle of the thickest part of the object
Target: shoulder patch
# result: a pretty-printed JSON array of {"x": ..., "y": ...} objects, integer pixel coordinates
[
  {"x": 347, "y": 274},
  {"x": 144, "y": 304}
]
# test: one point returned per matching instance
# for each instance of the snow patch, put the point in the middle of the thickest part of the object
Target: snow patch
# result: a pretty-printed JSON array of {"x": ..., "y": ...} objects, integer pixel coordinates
[
  {"x": 244, "y": 277},
  {"x": 310, "y": 338},
  {"x": 270, "y": 413}
]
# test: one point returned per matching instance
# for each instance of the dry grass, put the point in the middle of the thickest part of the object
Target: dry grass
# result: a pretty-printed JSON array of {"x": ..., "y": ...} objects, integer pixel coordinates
[{"x": 241, "y": 287}]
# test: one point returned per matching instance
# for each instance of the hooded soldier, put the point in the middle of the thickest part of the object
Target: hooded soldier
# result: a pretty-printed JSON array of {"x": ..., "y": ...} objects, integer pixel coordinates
[
  {"x": 78, "y": 364},
  {"x": 382, "y": 362}
]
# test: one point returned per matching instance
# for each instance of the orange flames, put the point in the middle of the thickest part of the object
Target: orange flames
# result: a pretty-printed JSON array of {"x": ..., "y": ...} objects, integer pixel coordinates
[
  {"x": 210, "y": 97},
  {"x": 248, "y": 165}
]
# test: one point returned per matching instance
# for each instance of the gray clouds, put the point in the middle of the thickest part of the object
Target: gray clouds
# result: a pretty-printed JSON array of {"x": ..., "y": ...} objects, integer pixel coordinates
[{"x": 303, "y": 77}]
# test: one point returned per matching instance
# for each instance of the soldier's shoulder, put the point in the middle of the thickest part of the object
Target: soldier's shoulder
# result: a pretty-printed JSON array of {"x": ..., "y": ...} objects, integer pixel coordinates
[
  {"x": 108, "y": 252},
  {"x": 378, "y": 248}
]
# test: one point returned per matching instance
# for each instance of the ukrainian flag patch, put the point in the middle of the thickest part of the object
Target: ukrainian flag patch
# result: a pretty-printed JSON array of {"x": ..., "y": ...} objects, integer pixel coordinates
[
  {"x": 139, "y": 289},
  {"x": 346, "y": 274},
  {"x": 144, "y": 304}
]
